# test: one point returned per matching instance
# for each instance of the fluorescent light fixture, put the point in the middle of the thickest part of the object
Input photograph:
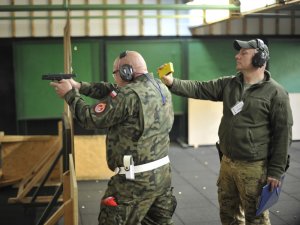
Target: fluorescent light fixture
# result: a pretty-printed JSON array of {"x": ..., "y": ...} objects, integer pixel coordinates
[
  {"x": 199, "y": 17},
  {"x": 247, "y": 5}
]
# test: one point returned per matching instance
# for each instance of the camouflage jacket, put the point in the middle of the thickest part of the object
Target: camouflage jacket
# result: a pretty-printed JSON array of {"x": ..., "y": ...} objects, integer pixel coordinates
[{"x": 137, "y": 120}]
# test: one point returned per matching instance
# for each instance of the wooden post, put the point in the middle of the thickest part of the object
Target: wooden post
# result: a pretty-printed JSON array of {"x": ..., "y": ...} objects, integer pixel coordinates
[
  {"x": 68, "y": 69},
  {"x": 1, "y": 173},
  {"x": 69, "y": 209}
]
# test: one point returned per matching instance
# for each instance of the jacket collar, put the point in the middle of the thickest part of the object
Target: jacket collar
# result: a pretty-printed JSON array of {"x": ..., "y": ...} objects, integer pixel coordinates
[{"x": 267, "y": 78}]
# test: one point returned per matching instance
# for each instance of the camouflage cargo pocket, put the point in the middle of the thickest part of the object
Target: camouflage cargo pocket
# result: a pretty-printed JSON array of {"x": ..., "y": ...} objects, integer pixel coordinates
[{"x": 117, "y": 215}]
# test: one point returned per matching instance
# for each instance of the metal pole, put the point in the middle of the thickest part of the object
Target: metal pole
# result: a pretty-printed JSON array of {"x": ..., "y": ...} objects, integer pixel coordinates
[
  {"x": 177, "y": 16},
  {"x": 56, "y": 7}
]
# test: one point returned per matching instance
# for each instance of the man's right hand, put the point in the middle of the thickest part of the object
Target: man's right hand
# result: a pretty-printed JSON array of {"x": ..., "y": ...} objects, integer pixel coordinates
[{"x": 168, "y": 79}]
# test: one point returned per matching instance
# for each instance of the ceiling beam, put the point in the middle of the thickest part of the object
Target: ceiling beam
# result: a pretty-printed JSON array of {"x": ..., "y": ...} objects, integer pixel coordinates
[{"x": 74, "y": 7}]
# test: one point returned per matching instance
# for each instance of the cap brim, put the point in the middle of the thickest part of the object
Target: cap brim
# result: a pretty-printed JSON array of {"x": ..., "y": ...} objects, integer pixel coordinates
[{"x": 241, "y": 44}]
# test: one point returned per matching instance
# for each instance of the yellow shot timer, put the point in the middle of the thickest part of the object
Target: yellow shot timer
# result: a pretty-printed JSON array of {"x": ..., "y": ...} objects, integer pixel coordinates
[{"x": 165, "y": 69}]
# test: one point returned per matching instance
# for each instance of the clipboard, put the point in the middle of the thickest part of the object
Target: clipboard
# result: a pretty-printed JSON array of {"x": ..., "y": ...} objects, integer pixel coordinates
[{"x": 267, "y": 198}]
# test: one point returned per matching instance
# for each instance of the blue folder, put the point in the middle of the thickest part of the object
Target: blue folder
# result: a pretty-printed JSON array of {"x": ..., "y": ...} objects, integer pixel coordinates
[{"x": 267, "y": 198}]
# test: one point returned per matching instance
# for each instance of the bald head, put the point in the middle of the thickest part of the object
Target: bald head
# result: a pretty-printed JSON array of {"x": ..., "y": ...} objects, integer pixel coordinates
[{"x": 134, "y": 59}]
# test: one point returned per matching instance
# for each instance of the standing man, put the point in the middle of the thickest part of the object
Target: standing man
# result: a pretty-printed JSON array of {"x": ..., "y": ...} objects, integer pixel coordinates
[
  {"x": 255, "y": 131},
  {"x": 139, "y": 115}
]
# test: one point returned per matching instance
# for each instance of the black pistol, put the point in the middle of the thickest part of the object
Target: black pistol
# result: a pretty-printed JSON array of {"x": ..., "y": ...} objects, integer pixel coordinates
[{"x": 58, "y": 76}]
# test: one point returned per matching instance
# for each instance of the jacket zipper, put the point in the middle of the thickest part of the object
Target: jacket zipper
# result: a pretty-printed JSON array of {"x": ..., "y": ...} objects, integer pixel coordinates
[{"x": 234, "y": 118}]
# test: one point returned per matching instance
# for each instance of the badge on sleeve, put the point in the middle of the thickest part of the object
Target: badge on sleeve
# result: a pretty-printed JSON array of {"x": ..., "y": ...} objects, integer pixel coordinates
[{"x": 99, "y": 108}]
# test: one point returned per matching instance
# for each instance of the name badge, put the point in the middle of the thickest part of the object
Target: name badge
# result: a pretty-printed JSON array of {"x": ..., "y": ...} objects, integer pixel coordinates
[{"x": 237, "y": 108}]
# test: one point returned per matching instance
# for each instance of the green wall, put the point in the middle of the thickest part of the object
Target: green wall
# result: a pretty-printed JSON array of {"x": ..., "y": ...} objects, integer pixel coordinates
[
  {"x": 196, "y": 59},
  {"x": 35, "y": 99},
  {"x": 155, "y": 54},
  {"x": 285, "y": 63},
  {"x": 210, "y": 58}
]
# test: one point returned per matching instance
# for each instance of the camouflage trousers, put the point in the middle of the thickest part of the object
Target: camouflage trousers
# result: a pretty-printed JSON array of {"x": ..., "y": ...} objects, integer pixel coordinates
[
  {"x": 239, "y": 188},
  {"x": 140, "y": 211}
]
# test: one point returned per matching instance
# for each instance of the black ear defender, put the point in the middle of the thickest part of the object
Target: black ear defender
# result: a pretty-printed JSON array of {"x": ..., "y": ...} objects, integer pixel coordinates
[
  {"x": 261, "y": 56},
  {"x": 125, "y": 70}
]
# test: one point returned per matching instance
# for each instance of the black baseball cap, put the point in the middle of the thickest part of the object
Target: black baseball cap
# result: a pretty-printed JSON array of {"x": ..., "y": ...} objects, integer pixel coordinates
[{"x": 255, "y": 43}]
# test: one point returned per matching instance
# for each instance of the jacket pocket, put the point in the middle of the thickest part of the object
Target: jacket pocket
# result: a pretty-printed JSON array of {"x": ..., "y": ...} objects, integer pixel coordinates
[
  {"x": 251, "y": 140},
  {"x": 118, "y": 215}
]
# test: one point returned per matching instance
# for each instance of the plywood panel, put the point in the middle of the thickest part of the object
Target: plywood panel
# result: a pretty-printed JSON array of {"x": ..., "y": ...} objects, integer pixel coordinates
[
  {"x": 19, "y": 154},
  {"x": 90, "y": 158},
  {"x": 295, "y": 105},
  {"x": 203, "y": 121}
]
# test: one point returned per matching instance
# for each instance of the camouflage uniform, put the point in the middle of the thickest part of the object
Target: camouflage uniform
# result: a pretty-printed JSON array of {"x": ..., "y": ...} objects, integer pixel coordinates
[
  {"x": 254, "y": 141},
  {"x": 138, "y": 124},
  {"x": 247, "y": 179}
]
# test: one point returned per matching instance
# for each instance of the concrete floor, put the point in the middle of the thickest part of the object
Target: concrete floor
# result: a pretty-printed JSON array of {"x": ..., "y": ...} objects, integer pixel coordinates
[{"x": 195, "y": 172}]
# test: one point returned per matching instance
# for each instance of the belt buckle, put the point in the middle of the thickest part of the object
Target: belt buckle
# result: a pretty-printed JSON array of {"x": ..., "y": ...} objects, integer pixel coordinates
[{"x": 117, "y": 170}]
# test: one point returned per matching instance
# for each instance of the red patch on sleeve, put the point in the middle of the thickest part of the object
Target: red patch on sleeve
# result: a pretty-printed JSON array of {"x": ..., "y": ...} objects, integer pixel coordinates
[{"x": 99, "y": 108}]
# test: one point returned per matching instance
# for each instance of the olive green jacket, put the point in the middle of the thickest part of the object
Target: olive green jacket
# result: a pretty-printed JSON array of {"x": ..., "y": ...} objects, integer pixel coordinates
[{"x": 262, "y": 130}]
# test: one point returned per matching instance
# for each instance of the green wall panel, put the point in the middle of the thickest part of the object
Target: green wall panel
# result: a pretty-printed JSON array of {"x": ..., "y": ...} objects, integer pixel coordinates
[
  {"x": 35, "y": 99},
  {"x": 285, "y": 63},
  {"x": 193, "y": 59},
  {"x": 209, "y": 59},
  {"x": 155, "y": 54}
]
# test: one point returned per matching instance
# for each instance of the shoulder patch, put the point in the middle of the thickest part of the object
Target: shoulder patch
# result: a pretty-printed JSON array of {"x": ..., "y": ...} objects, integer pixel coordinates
[{"x": 99, "y": 108}]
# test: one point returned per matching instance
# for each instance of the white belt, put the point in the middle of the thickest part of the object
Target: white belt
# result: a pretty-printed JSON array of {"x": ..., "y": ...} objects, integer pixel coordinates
[{"x": 129, "y": 169}]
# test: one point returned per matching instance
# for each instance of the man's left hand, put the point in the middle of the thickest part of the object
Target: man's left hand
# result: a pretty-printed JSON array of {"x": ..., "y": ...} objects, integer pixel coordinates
[{"x": 274, "y": 183}]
